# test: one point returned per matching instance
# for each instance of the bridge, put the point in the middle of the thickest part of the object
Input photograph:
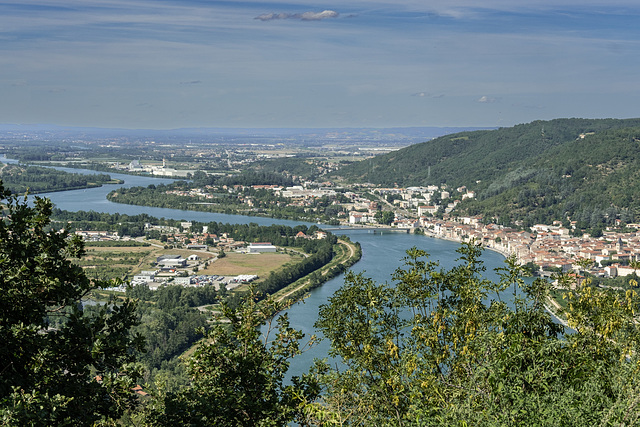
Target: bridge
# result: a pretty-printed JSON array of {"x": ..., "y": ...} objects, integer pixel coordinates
[{"x": 372, "y": 229}]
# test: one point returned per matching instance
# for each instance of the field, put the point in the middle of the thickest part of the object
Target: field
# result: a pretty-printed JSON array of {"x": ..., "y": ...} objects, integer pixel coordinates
[
  {"x": 114, "y": 262},
  {"x": 258, "y": 264}
]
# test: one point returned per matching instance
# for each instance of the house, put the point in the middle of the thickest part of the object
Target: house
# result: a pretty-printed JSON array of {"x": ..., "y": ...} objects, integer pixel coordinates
[
  {"x": 427, "y": 209},
  {"x": 196, "y": 246},
  {"x": 355, "y": 218},
  {"x": 144, "y": 277}
]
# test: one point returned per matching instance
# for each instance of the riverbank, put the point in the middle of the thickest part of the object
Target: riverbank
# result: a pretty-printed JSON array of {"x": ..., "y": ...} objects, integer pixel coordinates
[
  {"x": 428, "y": 233},
  {"x": 348, "y": 256}
]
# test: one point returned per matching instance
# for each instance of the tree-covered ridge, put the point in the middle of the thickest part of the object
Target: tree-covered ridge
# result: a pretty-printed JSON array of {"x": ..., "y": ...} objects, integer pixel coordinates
[
  {"x": 592, "y": 180},
  {"x": 535, "y": 172},
  {"x": 35, "y": 179},
  {"x": 463, "y": 158}
]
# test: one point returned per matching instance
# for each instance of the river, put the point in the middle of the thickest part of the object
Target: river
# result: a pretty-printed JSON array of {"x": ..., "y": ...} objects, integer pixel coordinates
[{"x": 381, "y": 253}]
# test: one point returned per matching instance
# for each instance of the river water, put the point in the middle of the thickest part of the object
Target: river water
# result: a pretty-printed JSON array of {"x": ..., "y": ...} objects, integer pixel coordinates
[{"x": 381, "y": 253}]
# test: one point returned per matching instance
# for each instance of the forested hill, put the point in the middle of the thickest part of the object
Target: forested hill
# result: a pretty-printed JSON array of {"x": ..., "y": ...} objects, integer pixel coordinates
[{"x": 533, "y": 172}]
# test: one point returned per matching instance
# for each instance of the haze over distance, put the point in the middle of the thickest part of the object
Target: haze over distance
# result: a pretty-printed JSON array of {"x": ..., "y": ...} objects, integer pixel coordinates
[{"x": 143, "y": 64}]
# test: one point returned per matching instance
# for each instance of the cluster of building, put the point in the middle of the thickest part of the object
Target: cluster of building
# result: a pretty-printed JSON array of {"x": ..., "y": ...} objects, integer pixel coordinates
[
  {"x": 551, "y": 247},
  {"x": 159, "y": 170},
  {"x": 97, "y": 236},
  {"x": 171, "y": 268}
]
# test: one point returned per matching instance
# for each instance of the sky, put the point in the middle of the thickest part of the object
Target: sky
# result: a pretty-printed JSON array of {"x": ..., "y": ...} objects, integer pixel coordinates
[{"x": 166, "y": 64}]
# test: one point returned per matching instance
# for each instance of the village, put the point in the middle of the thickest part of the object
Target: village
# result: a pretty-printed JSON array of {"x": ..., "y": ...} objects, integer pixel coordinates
[{"x": 552, "y": 248}]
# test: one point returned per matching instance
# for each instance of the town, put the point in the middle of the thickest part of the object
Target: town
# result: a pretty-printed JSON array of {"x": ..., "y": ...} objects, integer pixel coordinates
[{"x": 431, "y": 209}]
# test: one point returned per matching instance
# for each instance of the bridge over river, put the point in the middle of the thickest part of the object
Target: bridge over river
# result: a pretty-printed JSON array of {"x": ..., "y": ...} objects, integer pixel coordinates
[{"x": 372, "y": 229}]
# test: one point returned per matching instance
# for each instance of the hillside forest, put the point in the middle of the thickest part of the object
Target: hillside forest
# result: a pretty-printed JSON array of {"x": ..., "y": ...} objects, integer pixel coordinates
[{"x": 560, "y": 170}]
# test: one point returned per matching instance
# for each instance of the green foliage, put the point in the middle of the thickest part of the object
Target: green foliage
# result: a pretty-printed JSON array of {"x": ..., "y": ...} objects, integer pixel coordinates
[
  {"x": 123, "y": 224},
  {"x": 237, "y": 375},
  {"x": 441, "y": 347},
  {"x": 289, "y": 274},
  {"x": 77, "y": 370},
  {"x": 246, "y": 178},
  {"x": 169, "y": 320},
  {"x": 117, "y": 244},
  {"x": 384, "y": 217},
  {"x": 227, "y": 199},
  {"x": 288, "y": 166},
  {"x": 34, "y": 179}
]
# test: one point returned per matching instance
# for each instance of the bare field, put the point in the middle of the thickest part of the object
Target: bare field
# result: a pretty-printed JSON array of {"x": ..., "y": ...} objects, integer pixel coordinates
[{"x": 259, "y": 264}]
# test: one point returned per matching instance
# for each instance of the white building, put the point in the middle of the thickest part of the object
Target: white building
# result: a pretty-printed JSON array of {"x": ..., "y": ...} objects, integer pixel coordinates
[
  {"x": 171, "y": 261},
  {"x": 184, "y": 281},
  {"x": 427, "y": 209},
  {"x": 256, "y": 248}
]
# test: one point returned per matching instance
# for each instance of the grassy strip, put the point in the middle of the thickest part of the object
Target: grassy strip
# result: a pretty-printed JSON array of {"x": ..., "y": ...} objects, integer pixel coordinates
[{"x": 347, "y": 254}]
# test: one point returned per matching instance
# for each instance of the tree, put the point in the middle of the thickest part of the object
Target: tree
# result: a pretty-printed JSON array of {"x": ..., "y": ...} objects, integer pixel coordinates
[
  {"x": 635, "y": 264},
  {"x": 441, "y": 347},
  {"x": 584, "y": 265},
  {"x": 58, "y": 365},
  {"x": 384, "y": 217},
  {"x": 237, "y": 376}
]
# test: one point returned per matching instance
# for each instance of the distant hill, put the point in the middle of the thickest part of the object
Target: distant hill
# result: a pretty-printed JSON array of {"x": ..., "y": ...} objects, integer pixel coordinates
[
  {"x": 587, "y": 169},
  {"x": 341, "y": 137}
]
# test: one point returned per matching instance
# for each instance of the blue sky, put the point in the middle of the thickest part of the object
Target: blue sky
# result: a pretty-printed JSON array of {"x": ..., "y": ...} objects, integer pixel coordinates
[{"x": 377, "y": 63}]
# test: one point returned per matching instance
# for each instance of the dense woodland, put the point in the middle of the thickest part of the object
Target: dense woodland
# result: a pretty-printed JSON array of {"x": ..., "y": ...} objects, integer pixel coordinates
[
  {"x": 224, "y": 199},
  {"x": 35, "y": 179}
]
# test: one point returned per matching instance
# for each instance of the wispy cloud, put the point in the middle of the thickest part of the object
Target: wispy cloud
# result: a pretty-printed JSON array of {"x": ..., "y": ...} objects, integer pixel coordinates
[
  {"x": 191, "y": 82},
  {"x": 428, "y": 95},
  {"x": 305, "y": 16}
]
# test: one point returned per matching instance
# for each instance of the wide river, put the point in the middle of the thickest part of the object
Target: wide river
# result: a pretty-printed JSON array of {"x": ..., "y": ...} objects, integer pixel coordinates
[{"x": 381, "y": 253}]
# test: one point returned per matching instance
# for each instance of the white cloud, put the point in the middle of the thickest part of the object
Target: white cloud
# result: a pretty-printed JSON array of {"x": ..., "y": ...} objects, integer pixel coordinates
[
  {"x": 313, "y": 16},
  {"x": 428, "y": 95},
  {"x": 306, "y": 16},
  {"x": 487, "y": 100}
]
